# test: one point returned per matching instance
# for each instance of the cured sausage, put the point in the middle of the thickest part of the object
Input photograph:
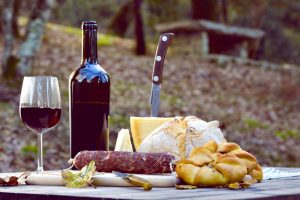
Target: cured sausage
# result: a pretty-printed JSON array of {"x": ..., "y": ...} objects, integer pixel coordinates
[{"x": 128, "y": 162}]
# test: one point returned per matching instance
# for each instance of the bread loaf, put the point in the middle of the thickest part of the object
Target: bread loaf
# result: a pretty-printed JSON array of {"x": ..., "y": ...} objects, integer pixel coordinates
[{"x": 180, "y": 135}]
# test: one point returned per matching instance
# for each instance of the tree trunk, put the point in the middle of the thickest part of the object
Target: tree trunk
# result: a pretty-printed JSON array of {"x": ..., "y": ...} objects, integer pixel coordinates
[
  {"x": 257, "y": 12},
  {"x": 31, "y": 45},
  {"x": 20, "y": 64},
  {"x": 1, "y": 14},
  {"x": 121, "y": 20},
  {"x": 205, "y": 9},
  {"x": 16, "y": 9},
  {"x": 139, "y": 28},
  {"x": 224, "y": 9},
  {"x": 7, "y": 15}
]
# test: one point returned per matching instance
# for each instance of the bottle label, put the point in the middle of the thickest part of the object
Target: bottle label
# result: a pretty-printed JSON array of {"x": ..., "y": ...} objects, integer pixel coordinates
[{"x": 89, "y": 73}]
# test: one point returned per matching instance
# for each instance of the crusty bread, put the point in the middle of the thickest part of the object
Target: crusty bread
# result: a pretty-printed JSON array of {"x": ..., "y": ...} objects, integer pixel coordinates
[{"x": 180, "y": 135}]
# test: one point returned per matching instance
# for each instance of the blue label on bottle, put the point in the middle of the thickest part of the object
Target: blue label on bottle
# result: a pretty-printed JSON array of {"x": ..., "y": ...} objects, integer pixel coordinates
[{"x": 90, "y": 72}]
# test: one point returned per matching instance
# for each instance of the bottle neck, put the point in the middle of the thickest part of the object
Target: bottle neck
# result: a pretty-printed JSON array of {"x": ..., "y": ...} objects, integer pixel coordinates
[{"x": 89, "y": 46}]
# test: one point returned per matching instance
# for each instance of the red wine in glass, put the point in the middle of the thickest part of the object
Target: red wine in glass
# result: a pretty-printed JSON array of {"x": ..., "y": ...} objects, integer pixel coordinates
[
  {"x": 40, "y": 108},
  {"x": 40, "y": 119}
]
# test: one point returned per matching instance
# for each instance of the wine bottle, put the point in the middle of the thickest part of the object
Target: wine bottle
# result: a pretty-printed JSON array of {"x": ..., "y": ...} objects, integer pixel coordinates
[{"x": 89, "y": 96}]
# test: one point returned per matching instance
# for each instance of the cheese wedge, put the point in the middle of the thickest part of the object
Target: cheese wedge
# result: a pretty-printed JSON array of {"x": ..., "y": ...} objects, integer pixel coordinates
[
  {"x": 141, "y": 127},
  {"x": 123, "y": 141}
]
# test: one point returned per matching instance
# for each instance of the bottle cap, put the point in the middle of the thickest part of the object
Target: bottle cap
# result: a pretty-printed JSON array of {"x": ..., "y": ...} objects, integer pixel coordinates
[{"x": 88, "y": 25}]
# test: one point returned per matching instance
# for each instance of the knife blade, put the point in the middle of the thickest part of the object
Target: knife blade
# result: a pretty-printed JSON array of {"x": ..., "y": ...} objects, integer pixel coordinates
[
  {"x": 162, "y": 47},
  {"x": 134, "y": 180}
]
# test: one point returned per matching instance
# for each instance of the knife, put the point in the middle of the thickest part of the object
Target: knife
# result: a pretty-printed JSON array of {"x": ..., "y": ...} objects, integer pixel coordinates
[
  {"x": 134, "y": 180},
  {"x": 162, "y": 47}
]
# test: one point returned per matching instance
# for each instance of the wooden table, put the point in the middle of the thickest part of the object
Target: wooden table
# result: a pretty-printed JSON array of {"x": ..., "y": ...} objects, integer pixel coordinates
[{"x": 284, "y": 188}]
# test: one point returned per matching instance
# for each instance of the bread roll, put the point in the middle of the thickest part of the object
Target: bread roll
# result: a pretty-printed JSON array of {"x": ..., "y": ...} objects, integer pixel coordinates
[{"x": 218, "y": 165}]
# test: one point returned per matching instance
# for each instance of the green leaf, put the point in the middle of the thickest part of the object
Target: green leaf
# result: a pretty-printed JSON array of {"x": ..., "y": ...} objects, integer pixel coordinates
[
  {"x": 287, "y": 134},
  {"x": 68, "y": 175},
  {"x": 80, "y": 179},
  {"x": 29, "y": 149},
  {"x": 254, "y": 123}
]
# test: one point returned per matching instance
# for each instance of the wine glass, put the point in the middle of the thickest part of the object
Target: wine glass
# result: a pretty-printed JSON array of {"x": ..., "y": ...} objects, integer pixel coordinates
[{"x": 40, "y": 108}]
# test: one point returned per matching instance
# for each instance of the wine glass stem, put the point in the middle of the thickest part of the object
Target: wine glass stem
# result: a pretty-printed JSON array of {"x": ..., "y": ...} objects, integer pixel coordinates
[{"x": 40, "y": 168}]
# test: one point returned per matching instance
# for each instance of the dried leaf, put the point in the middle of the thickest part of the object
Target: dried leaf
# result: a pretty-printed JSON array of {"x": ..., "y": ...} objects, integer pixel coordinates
[
  {"x": 234, "y": 186},
  {"x": 23, "y": 177},
  {"x": 81, "y": 179},
  {"x": 185, "y": 187},
  {"x": 245, "y": 185},
  {"x": 13, "y": 180},
  {"x": 237, "y": 186}
]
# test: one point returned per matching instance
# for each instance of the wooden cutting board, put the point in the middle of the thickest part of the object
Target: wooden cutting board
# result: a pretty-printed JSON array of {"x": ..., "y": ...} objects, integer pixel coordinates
[{"x": 100, "y": 179}]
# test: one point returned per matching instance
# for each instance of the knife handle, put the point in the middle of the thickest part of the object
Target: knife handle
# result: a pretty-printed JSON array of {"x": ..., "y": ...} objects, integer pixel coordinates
[
  {"x": 162, "y": 47},
  {"x": 135, "y": 180}
]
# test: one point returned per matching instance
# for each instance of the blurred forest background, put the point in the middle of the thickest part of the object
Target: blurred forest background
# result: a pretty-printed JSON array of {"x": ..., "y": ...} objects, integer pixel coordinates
[{"x": 235, "y": 61}]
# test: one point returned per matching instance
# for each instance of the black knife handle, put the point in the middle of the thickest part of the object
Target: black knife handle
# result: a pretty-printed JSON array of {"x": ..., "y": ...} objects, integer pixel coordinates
[{"x": 162, "y": 47}]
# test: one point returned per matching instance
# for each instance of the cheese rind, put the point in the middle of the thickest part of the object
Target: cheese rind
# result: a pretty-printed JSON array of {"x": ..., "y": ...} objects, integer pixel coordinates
[{"x": 141, "y": 127}]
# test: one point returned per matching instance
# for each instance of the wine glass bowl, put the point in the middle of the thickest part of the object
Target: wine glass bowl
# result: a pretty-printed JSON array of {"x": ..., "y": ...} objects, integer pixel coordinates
[
  {"x": 40, "y": 119},
  {"x": 40, "y": 107}
]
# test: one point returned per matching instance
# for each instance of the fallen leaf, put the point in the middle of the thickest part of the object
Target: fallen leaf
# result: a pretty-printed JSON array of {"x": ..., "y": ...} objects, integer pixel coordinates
[
  {"x": 81, "y": 179},
  {"x": 185, "y": 187},
  {"x": 237, "y": 186},
  {"x": 23, "y": 177},
  {"x": 14, "y": 180}
]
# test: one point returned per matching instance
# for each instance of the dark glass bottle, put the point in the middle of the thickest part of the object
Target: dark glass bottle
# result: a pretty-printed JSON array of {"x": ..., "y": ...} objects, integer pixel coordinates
[{"x": 89, "y": 97}]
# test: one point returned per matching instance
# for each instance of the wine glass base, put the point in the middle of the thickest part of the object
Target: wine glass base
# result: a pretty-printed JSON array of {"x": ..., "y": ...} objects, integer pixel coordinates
[{"x": 40, "y": 170}]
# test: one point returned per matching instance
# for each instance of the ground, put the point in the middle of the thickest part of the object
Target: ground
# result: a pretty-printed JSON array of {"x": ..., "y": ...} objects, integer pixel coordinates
[{"x": 257, "y": 107}]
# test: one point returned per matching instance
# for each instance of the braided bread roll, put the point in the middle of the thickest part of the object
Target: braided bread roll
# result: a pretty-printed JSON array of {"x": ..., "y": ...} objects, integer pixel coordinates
[
  {"x": 233, "y": 149},
  {"x": 217, "y": 165}
]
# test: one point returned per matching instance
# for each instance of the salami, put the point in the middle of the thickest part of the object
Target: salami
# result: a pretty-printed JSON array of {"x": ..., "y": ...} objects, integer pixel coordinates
[{"x": 128, "y": 162}]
